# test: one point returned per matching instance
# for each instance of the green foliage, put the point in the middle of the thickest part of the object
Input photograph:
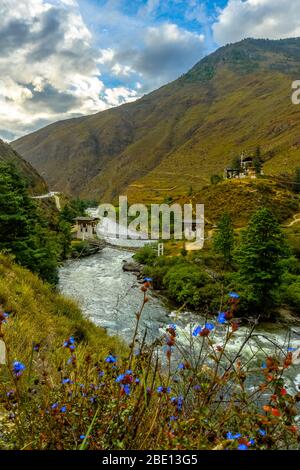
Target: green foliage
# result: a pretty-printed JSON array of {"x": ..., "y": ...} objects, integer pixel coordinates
[
  {"x": 39, "y": 314},
  {"x": 34, "y": 181},
  {"x": 297, "y": 181},
  {"x": 215, "y": 179},
  {"x": 258, "y": 161},
  {"x": 223, "y": 241},
  {"x": 293, "y": 234},
  {"x": 191, "y": 286},
  {"x": 146, "y": 255},
  {"x": 23, "y": 230},
  {"x": 76, "y": 208},
  {"x": 260, "y": 259},
  {"x": 236, "y": 163},
  {"x": 291, "y": 294}
]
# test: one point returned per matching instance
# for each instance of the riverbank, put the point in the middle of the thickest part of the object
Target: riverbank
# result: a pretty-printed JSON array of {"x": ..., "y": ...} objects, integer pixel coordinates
[
  {"x": 111, "y": 297},
  {"x": 37, "y": 314},
  {"x": 68, "y": 385}
]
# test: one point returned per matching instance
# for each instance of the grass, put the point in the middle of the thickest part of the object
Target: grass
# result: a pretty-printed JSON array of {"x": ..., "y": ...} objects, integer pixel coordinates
[
  {"x": 39, "y": 314},
  {"x": 242, "y": 197},
  {"x": 63, "y": 397}
]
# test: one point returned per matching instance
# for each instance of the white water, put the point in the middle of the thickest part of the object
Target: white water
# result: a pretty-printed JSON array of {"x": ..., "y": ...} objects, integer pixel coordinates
[{"x": 111, "y": 297}]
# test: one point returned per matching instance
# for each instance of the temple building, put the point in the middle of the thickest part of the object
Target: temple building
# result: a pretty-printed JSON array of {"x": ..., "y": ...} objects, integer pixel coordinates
[
  {"x": 246, "y": 170},
  {"x": 86, "y": 227}
]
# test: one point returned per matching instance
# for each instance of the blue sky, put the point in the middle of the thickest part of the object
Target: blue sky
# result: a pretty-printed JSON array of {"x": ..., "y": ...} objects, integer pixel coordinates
[{"x": 67, "y": 58}]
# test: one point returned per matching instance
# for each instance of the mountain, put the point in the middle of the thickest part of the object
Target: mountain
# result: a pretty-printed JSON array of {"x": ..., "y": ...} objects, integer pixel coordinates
[
  {"x": 177, "y": 137},
  {"x": 36, "y": 184}
]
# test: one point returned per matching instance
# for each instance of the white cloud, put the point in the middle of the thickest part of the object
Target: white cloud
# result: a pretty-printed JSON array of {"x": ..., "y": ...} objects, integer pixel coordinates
[
  {"x": 272, "y": 19},
  {"x": 142, "y": 47},
  {"x": 65, "y": 58},
  {"x": 49, "y": 68}
]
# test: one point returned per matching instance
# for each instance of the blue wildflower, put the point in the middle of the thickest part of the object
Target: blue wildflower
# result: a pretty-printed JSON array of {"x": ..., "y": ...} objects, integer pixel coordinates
[
  {"x": 209, "y": 326},
  {"x": 264, "y": 365},
  {"x": 70, "y": 343},
  {"x": 3, "y": 317},
  {"x": 181, "y": 366},
  {"x": 231, "y": 436},
  {"x": 54, "y": 406},
  {"x": 222, "y": 317},
  {"x": 101, "y": 373},
  {"x": 291, "y": 349},
  {"x": 82, "y": 437},
  {"x": 126, "y": 376},
  {"x": 111, "y": 359},
  {"x": 242, "y": 447},
  {"x": 63, "y": 409},
  {"x": 234, "y": 295},
  {"x": 120, "y": 378},
  {"x": 126, "y": 389},
  {"x": 66, "y": 381},
  {"x": 178, "y": 401},
  {"x": 162, "y": 389},
  {"x": 173, "y": 418},
  {"x": 72, "y": 360},
  {"x": 251, "y": 441},
  {"x": 148, "y": 279},
  {"x": 36, "y": 347},
  {"x": 18, "y": 368},
  {"x": 262, "y": 432},
  {"x": 197, "y": 331}
]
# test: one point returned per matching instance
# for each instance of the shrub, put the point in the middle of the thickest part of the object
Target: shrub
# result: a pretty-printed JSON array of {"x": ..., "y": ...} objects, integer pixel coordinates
[
  {"x": 290, "y": 289},
  {"x": 146, "y": 255},
  {"x": 188, "y": 285}
]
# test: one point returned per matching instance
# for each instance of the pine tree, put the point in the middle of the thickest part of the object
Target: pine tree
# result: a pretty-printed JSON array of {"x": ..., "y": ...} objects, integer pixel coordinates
[
  {"x": 223, "y": 241},
  {"x": 257, "y": 161},
  {"x": 297, "y": 181},
  {"x": 259, "y": 257},
  {"x": 236, "y": 163},
  {"x": 23, "y": 232}
]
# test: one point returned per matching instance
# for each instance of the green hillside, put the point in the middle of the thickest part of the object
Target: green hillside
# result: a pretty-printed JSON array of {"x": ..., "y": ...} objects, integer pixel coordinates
[
  {"x": 240, "y": 198},
  {"x": 178, "y": 136},
  {"x": 35, "y": 182},
  {"x": 40, "y": 315}
]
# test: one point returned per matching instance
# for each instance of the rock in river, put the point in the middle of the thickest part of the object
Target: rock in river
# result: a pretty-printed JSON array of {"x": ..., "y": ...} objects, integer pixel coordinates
[{"x": 131, "y": 267}]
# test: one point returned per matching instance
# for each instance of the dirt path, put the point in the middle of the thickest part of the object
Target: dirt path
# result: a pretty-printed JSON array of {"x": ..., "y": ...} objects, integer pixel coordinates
[{"x": 295, "y": 221}]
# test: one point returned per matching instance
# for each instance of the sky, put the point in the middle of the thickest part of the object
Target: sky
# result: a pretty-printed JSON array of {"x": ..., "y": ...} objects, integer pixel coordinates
[{"x": 66, "y": 58}]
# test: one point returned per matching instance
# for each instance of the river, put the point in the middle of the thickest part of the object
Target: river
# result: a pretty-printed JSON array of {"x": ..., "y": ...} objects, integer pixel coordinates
[{"x": 110, "y": 298}]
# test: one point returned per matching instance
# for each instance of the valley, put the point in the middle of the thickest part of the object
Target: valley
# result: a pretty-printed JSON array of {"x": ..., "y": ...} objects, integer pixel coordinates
[{"x": 146, "y": 149}]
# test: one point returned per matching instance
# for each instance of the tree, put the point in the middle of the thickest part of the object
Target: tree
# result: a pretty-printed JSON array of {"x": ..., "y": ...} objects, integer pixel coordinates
[
  {"x": 215, "y": 179},
  {"x": 297, "y": 181},
  {"x": 223, "y": 241},
  {"x": 23, "y": 232},
  {"x": 257, "y": 161},
  {"x": 236, "y": 163},
  {"x": 260, "y": 259},
  {"x": 190, "y": 191}
]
